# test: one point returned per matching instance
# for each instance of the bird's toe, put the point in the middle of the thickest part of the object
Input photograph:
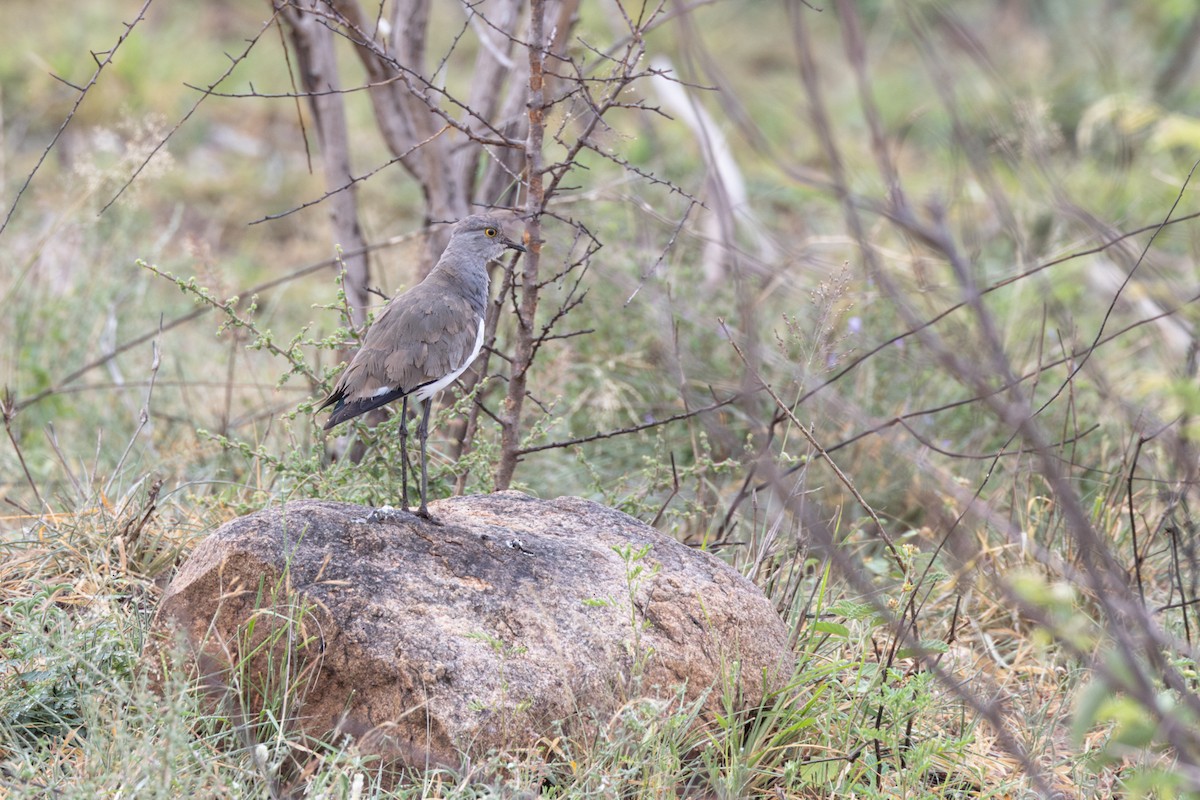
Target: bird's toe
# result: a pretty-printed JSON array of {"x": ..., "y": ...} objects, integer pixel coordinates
[{"x": 387, "y": 513}]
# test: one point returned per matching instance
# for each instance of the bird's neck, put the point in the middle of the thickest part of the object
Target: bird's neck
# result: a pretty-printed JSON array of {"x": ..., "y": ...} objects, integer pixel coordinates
[{"x": 470, "y": 281}]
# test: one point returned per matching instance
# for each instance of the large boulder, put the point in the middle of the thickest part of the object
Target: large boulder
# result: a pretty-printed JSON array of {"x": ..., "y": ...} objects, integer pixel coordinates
[{"x": 423, "y": 641}]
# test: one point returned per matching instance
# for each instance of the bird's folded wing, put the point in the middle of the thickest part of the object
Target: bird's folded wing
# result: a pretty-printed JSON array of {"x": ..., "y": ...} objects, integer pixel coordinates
[{"x": 416, "y": 342}]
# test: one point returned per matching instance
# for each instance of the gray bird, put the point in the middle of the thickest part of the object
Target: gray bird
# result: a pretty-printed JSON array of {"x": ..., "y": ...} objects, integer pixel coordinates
[{"x": 425, "y": 338}]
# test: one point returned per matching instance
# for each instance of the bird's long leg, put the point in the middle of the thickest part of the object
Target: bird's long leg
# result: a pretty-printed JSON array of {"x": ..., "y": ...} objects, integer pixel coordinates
[
  {"x": 423, "y": 432},
  {"x": 404, "y": 453}
]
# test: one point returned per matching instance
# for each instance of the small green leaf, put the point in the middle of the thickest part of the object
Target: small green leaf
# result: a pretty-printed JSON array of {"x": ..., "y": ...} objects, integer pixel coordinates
[
  {"x": 831, "y": 628},
  {"x": 852, "y": 610}
]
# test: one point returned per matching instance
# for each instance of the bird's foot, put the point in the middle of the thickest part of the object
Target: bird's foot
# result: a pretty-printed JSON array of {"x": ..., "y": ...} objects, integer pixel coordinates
[
  {"x": 386, "y": 513},
  {"x": 423, "y": 513},
  {"x": 518, "y": 545}
]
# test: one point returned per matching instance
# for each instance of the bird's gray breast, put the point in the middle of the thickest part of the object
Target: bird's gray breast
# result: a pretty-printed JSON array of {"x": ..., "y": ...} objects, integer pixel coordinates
[{"x": 473, "y": 288}]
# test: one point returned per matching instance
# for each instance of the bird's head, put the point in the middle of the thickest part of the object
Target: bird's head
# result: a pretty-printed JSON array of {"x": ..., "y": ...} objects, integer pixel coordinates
[{"x": 482, "y": 234}]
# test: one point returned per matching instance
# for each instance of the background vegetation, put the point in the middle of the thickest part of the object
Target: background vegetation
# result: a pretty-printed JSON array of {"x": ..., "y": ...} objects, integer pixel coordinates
[{"x": 964, "y": 273}]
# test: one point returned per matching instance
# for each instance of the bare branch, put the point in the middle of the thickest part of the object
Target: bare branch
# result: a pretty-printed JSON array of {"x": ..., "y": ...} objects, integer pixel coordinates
[
  {"x": 645, "y": 426},
  {"x": 353, "y": 180},
  {"x": 83, "y": 91},
  {"x": 234, "y": 61}
]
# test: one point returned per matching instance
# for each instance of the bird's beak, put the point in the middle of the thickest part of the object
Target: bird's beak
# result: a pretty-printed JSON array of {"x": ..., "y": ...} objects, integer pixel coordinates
[{"x": 509, "y": 243}]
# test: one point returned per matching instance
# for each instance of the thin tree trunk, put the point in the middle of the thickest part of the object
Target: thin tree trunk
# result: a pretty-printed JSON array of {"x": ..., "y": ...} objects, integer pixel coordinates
[
  {"x": 406, "y": 110},
  {"x": 317, "y": 59},
  {"x": 510, "y": 414}
]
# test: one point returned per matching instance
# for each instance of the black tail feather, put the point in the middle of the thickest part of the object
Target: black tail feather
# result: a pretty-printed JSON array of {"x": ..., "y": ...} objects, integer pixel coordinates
[{"x": 344, "y": 411}]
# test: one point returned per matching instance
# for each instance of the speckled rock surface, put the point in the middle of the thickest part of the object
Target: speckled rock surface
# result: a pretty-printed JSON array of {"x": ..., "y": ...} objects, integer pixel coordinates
[{"x": 422, "y": 641}]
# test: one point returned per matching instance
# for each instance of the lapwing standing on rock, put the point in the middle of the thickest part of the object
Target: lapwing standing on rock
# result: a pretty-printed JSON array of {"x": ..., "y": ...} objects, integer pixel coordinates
[{"x": 425, "y": 338}]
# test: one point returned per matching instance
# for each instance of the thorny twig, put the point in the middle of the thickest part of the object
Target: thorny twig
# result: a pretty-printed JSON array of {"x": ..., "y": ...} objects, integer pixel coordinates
[
  {"x": 83, "y": 91},
  {"x": 234, "y": 61},
  {"x": 595, "y": 437}
]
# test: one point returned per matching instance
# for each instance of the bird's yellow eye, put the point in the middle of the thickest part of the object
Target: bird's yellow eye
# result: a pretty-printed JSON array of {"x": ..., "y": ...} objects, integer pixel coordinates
[{"x": 489, "y": 232}]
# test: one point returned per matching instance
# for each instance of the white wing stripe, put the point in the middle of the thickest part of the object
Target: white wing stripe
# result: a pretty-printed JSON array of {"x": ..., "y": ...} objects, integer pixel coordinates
[{"x": 429, "y": 391}]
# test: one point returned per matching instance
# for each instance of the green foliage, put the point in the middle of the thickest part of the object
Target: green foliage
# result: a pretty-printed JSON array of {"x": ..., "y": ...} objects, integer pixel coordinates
[{"x": 51, "y": 663}]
